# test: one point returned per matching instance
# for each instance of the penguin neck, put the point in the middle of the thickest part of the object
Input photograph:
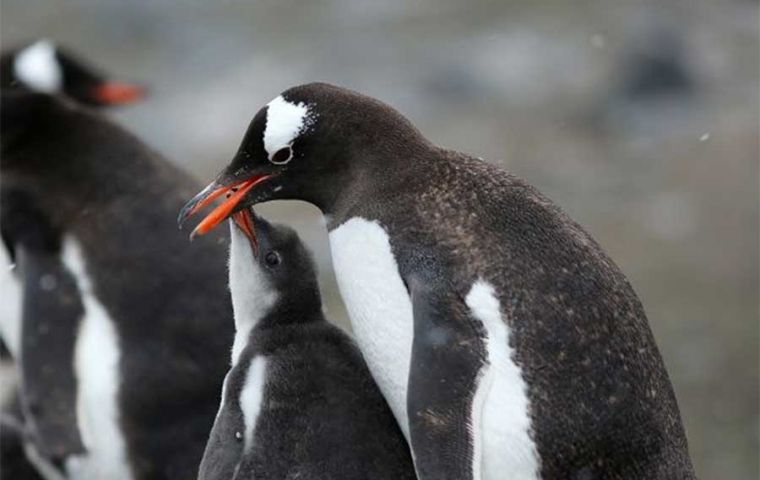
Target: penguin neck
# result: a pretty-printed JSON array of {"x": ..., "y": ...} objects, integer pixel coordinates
[
  {"x": 301, "y": 307},
  {"x": 258, "y": 303},
  {"x": 263, "y": 308},
  {"x": 373, "y": 172},
  {"x": 252, "y": 292}
]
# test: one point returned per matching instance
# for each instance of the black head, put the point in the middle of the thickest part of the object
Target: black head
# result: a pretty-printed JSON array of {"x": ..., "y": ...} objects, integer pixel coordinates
[
  {"x": 310, "y": 143},
  {"x": 270, "y": 268},
  {"x": 44, "y": 67}
]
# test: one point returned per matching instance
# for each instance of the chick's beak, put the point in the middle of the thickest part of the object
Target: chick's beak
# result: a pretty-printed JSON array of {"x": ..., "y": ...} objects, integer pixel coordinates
[
  {"x": 245, "y": 222},
  {"x": 235, "y": 191}
]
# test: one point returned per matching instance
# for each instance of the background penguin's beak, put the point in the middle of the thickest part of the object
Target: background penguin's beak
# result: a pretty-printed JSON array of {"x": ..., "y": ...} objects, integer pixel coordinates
[
  {"x": 117, "y": 93},
  {"x": 235, "y": 190}
]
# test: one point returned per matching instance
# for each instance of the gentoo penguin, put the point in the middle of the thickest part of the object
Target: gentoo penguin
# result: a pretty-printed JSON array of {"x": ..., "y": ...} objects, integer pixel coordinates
[
  {"x": 44, "y": 67},
  {"x": 505, "y": 340},
  {"x": 125, "y": 326},
  {"x": 299, "y": 401},
  {"x": 41, "y": 66}
]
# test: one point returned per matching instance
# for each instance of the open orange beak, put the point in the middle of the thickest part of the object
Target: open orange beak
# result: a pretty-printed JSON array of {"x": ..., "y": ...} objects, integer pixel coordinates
[
  {"x": 235, "y": 191},
  {"x": 244, "y": 220},
  {"x": 117, "y": 93}
]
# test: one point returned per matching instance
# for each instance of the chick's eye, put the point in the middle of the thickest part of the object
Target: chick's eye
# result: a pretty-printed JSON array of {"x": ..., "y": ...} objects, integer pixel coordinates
[
  {"x": 272, "y": 259},
  {"x": 282, "y": 156}
]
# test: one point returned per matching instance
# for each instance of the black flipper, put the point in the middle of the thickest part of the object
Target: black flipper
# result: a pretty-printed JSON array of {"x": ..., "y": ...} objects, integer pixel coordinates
[
  {"x": 447, "y": 354},
  {"x": 13, "y": 460},
  {"x": 52, "y": 310}
]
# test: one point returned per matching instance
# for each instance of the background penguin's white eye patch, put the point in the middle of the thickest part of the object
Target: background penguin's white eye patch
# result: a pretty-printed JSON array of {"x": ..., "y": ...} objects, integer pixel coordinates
[
  {"x": 282, "y": 156},
  {"x": 285, "y": 121},
  {"x": 37, "y": 67}
]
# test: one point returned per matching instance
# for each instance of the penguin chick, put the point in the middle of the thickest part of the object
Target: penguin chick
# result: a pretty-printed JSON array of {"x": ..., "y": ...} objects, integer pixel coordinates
[{"x": 299, "y": 401}]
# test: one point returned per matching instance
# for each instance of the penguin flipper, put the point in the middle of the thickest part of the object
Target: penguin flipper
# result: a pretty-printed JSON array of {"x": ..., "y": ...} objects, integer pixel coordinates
[
  {"x": 13, "y": 458},
  {"x": 443, "y": 373},
  {"x": 51, "y": 313}
]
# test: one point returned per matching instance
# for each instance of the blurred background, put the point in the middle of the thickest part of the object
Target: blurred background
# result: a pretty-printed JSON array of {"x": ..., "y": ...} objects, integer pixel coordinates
[{"x": 639, "y": 118}]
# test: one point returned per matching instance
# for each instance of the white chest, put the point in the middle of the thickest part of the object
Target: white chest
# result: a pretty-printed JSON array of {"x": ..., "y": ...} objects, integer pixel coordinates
[
  {"x": 383, "y": 322},
  {"x": 500, "y": 413},
  {"x": 10, "y": 307},
  {"x": 379, "y": 306},
  {"x": 252, "y": 397},
  {"x": 96, "y": 366},
  {"x": 252, "y": 294}
]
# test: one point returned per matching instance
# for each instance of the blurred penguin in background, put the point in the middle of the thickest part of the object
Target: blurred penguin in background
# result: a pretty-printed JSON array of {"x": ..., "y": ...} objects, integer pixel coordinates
[
  {"x": 126, "y": 327},
  {"x": 43, "y": 66},
  {"x": 40, "y": 66}
]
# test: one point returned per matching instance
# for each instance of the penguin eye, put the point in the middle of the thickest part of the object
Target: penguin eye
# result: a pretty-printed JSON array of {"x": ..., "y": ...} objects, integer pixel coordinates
[
  {"x": 272, "y": 259},
  {"x": 282, "y": 156}
]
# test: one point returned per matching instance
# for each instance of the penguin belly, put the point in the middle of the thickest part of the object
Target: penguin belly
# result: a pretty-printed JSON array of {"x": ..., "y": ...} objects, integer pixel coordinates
[
  {"x": 503, "y": 447},
  {"x": 383, "y": 323},
  {"x": 96, "y": 365},
  {"x": 378, "y": 305},
  {"x": 10, "y": 307},
  {"x": 234, "y": 430}
]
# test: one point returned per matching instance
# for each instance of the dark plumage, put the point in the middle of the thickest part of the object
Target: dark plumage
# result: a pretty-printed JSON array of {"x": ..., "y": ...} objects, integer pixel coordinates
[
  {"x": 70, "y": 175},
  {"x": 60, "y": 72},
  {"x": 321, "y": 415},
  {"x": 600, "y": 404},
  {"x": 82, "y": 83},
  {"x": 13, "y": 460},
  {"x": 76, "y": 78}
]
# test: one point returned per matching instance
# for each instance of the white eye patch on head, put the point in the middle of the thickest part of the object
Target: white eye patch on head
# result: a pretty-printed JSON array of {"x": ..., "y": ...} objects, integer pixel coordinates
[
  {"x": 37, "y": 67},
  {"x": 285, "y": 122}
]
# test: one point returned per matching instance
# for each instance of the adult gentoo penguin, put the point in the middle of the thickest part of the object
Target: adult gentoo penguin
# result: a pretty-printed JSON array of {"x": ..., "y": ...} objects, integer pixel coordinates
[
  {"x": 299, "y": 401},
  {"x": 42, "y": 66},
  {"x": 126, "y": 327},
  {"x": 508, "y": 345}
]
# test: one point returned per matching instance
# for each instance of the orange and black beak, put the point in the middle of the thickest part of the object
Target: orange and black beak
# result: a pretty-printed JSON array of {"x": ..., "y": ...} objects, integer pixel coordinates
[
  {"x": 235, "y": 191},
  {"x": 117, "y": 93}
]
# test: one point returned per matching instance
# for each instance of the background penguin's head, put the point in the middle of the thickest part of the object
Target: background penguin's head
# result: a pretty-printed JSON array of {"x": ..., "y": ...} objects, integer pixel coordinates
[
  {"x": 309, "y": 143},
  {"x": 44, "y": 67},
  {"x": 270, "y": 267}
]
